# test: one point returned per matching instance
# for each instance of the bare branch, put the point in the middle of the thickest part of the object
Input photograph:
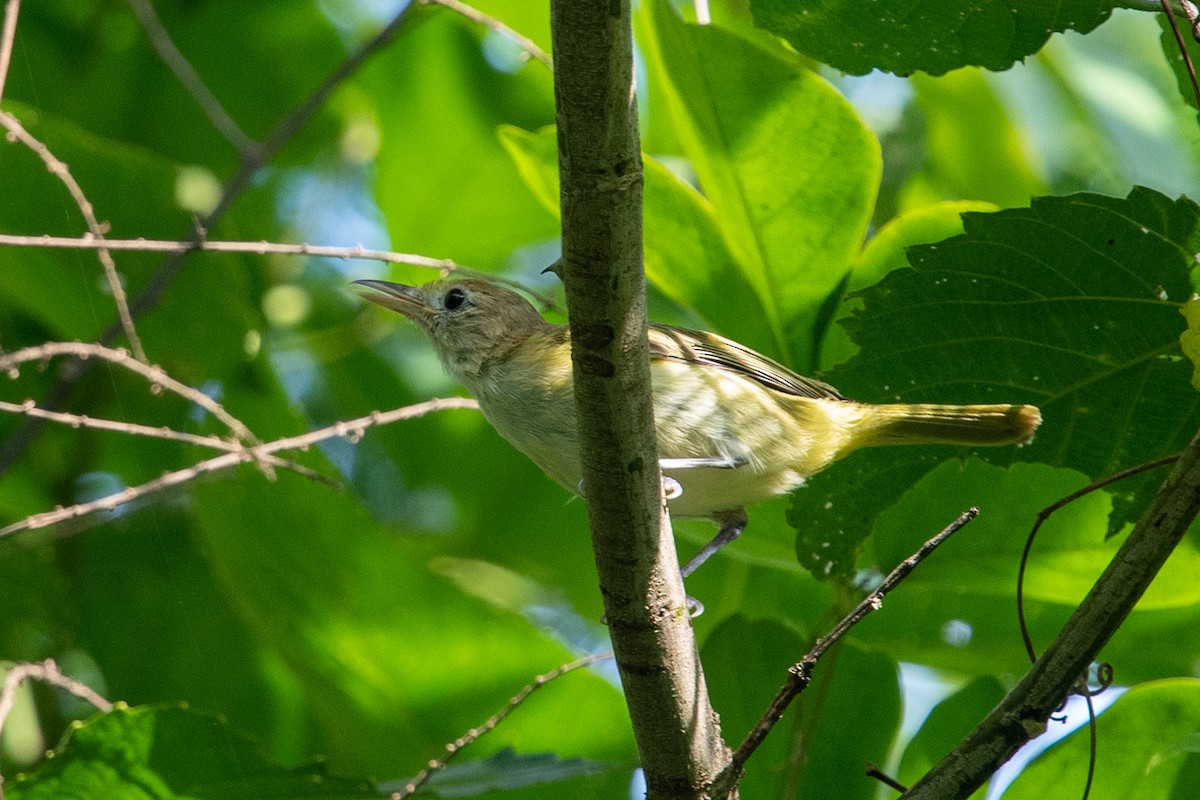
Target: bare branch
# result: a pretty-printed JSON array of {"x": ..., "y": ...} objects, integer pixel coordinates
[
  {"x": 260, "y": 453},
  {"x": 28, "y": 408},
  {"x": 454, "y": 748},
  {"x": 11, "y": 362},
  {"x": 48, "y": 672},
  {"x": 444, "y": 265},
  {"x": 527, "y": 45},
  {"x": 800, "y": 673},
  {"x": 60, "y": 171},
  {"x": 8, "y": 36},
  {"x": 195, "y": 86}
]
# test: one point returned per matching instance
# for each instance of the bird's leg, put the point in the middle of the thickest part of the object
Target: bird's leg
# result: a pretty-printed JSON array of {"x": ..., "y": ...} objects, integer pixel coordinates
[{"x": 732, "y": 524}]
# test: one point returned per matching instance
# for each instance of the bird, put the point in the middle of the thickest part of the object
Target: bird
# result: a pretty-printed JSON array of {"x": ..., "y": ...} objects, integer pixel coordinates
[{"x": 733, "y": 426}]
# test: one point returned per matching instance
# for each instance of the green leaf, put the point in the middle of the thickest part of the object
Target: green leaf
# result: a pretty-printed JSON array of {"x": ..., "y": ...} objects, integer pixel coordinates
[
  {"x": 746, "y": 662},
  {"x": 851, "y": 685},
  {"x": 819, "y": 750},
  {"x": 973, "y": 149},
  {"x": 948, "y": 724},
  {"x": 504, "y": 771},
  {"x": 357, "y": 611},
  {"x": 886, "y": 252},
  {"x": 789, "y": 169},
  {"x": 686, "y": 257},
  {"x": 1072, "y": 304},
  {"x": 1146, "y": 744},
  {"x": 1170, "y": 48},
  {"x": 152, "y": 753},
  {"x": 1189, "y": 340},
  {"x": 933, "y": 36},
  {"x": 444, "y": 184}
]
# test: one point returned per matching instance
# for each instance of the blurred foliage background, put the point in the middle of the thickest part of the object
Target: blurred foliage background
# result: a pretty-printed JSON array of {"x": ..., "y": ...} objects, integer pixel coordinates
[{"x": 806, "y": 210}]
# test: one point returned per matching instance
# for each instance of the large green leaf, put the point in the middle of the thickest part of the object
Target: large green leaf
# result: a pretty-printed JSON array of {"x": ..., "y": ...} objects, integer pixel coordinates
[
  {"x": 394, "y": 658},
  {"x": 686, "y": 256},
  {"x": 846, "y": 718},
  {"x": 151, "y": 753},
  {"x": 444, "y": 184},
  {"x": 1072, "y": 304},
  {"x": 947, "y": 724},
  {"x": 1147, "y": 749},
  {"x": 973, "y": 148},
  {"x": 933, "y": 36},
  {"x": 790, "y": 170}
]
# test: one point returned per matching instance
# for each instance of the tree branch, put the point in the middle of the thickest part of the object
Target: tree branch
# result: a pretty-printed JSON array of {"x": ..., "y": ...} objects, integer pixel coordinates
[
  {"x": 1022, "y": 714},
  {"x": 675, "y": 727}
]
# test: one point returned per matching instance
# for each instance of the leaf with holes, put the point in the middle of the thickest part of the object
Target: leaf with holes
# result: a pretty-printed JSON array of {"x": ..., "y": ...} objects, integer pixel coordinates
[
  {"x": 1072, "y": 304},
  {"x": 933, "y": 36}
]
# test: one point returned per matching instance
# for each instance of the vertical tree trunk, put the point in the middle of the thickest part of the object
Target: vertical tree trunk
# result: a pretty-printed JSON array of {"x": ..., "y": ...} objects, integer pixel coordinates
[{"x": 677, "y": 732}]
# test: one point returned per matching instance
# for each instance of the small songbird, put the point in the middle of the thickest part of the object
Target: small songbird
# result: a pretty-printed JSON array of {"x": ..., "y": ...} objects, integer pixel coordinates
[{"x": 733, "y": 427}]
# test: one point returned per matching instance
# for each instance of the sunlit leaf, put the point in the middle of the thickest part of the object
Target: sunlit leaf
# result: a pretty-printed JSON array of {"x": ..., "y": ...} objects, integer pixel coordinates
[{"x": 789, "y": 169}]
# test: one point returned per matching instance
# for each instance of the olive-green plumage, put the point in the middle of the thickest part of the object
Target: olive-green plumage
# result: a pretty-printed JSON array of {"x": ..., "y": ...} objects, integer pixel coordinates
[{"x": 714, "y": 400}]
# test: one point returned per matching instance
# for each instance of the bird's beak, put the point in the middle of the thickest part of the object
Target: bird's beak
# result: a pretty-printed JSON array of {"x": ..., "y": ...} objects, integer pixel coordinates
[{"x": 405, "y": 299}]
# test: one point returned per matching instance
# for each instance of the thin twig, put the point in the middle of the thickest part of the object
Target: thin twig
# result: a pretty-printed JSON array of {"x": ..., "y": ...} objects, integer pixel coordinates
[
  {"x": 8, "y": 36},
  {"x": 800, "y": 673},
  {"x": 875, "y": 772},
  {"x": 527, "y": 45},
  {"x": 60, "y": 170},
  {"x": 444, "y": 265},
  {"x": 454, "y": 748},
  {"x": 28, "y": 408},
  {"x": 350, "y": 429},
  {"x": 11, "y": 362},
  {"x": 1046, "y": 513},
  {"x": 255, "y": 248},
  {"x": 156, "y": 32}
]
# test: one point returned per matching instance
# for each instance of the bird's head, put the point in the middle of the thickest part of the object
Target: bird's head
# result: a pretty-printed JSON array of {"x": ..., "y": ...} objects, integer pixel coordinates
[{"x": 473, "y": 324}]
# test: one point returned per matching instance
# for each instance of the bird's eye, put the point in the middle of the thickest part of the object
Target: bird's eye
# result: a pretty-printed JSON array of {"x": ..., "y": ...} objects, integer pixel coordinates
[{"x": 454, "y": 298}]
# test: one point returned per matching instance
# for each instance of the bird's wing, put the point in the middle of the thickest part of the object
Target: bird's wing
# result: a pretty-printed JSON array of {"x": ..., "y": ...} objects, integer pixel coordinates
[{"x": 700, "y": 347}]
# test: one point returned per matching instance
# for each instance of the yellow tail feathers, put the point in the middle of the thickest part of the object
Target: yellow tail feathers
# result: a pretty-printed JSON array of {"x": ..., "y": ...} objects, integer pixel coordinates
[{"x": 977, "y": 424}]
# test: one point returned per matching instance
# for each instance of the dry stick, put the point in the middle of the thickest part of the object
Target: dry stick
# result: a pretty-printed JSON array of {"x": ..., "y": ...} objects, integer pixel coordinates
[
  {"x": 156, "y": 32},
  {"x": 58, "y": 169},
  {"x": 250, "y": 163},
  {"x": 454, "y": 748},
  {"x": 8, "y": 35},
  {"x": 28, "y": 408},
  {"x": 351, "y": 428},
  {"x": 475, "y": 15},
  {"x": 155, "y": 375},
  {"x": 444, "y": 265},
  {"x": 800, "y": 673}
]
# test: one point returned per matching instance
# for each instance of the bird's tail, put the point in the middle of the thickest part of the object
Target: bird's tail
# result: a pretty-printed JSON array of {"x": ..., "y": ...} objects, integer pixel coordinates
[{"x": 977, "y": 425}]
